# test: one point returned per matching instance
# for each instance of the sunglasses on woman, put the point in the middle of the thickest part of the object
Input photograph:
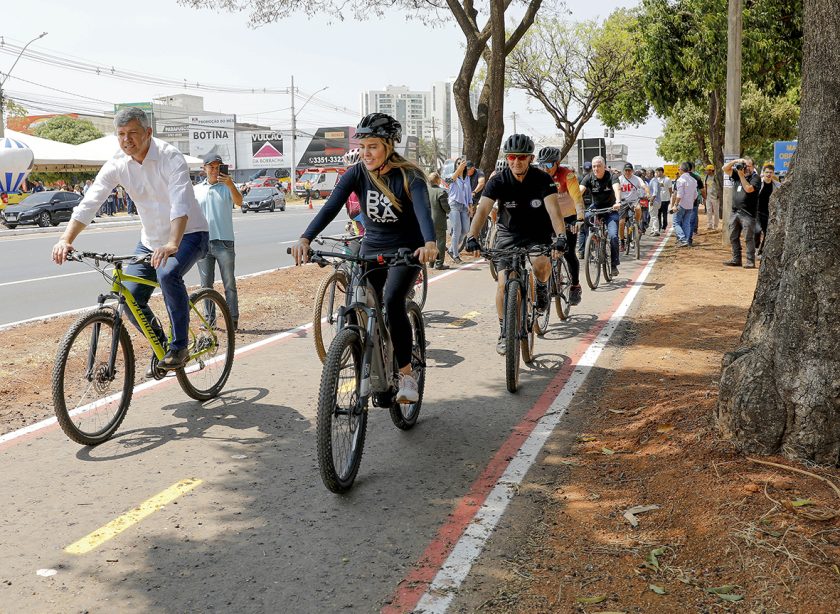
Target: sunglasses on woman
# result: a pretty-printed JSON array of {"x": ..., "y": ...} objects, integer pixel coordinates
[{"x": 520, "y": 157}]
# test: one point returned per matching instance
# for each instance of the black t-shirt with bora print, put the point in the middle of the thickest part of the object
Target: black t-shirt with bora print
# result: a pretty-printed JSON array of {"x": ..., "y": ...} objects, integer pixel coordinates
[{"x": 387, "y": 228}]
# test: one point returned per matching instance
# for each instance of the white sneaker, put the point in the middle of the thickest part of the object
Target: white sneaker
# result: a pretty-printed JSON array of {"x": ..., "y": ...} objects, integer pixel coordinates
[
  {"x": 408, "y": 389},
  {"x": 501, "y": 346}
]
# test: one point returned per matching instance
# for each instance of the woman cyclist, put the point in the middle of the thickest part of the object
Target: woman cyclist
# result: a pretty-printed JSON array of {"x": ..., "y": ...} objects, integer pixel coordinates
[{"x": 396, "y": 215}]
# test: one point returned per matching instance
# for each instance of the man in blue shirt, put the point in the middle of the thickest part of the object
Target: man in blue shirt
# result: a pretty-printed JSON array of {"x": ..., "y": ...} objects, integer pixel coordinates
[{"x": 217, "y": 195}]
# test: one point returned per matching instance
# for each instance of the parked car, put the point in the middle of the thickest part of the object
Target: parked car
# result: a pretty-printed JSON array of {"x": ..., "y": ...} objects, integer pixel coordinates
[
  {"x": 263, "y": 199},
  {"x": 42, "y": 208}
]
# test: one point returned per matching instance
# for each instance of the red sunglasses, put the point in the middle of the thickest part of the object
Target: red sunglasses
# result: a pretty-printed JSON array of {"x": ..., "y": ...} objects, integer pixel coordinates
[{"x": 520, "y": 157}]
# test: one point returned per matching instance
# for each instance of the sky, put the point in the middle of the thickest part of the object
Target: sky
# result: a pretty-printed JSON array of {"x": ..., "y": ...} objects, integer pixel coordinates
[{"x": 165, "y": 39}]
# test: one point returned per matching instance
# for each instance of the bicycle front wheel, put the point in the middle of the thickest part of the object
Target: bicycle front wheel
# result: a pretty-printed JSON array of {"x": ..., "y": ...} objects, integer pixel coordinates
[
  {"x": 404, "y": 415},
  {"x": 637, "y": 241},
  {"x": 332, "y": 294},
  {"x": 513, "y": 323},
  {"x": 592, "y": 261},
  {"x": 421, "y": 288},
  {"x": 341, "y": 419},
  {"x": 93, "y": 378},
  {"x": 539, "y": 319},
  {"x": 211, "y": 343},
  {"x": 562, "y": 279}
]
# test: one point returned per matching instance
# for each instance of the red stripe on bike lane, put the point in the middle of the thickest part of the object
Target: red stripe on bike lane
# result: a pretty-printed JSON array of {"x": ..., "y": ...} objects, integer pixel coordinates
[{"x": 413, "y": 586}]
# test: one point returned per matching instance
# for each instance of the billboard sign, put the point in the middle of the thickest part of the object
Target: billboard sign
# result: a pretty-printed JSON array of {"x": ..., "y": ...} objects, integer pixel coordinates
[
  {"x": 213, "y": 134},
  {"x": 783, "y": 152},
  {"x": 327, "y": 147},
  {"x": 266, "y": 150}
]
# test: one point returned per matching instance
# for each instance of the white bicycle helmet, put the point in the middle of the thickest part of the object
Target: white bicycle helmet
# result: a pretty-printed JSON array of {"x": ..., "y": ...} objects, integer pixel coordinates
[{"x": 351, "y": 157}]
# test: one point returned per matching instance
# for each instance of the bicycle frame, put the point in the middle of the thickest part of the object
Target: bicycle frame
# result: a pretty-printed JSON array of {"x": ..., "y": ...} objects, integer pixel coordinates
[{"x": 519, "y": 273}]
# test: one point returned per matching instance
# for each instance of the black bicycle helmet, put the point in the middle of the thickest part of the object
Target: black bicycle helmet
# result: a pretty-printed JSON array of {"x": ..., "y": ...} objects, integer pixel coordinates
[
  {"x": 548, "y": 155},
  {"x": 379, "y": 125},
  {"x": 519, "y": 144}
]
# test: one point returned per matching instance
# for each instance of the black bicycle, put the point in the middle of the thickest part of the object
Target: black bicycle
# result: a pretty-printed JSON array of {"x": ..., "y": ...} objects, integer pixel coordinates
[
  {"x": 520, "y": 320},
  {"x": 360, "y": 367},
  {"x": 597, "y": 253}
]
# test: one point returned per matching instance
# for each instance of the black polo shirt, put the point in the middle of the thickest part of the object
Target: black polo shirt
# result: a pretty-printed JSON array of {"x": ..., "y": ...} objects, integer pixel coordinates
[
  {"x": 601, "y": 189},
  {"x": 522, "y": 209}
]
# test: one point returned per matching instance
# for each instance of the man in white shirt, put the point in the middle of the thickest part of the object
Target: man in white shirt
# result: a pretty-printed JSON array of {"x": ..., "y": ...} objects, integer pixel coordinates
[
  {"x": 174, "y": 230},
  {"x": 683, "y": 207}
]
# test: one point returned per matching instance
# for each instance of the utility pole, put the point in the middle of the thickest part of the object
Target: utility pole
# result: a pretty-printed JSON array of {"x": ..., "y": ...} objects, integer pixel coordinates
[
  {"x": 514, "y": 122},
  {"x": 293, "y": 178},
  {"x": 6, "y": 77},
  {"x": 732, "y": 133},
  {"x": 434, "y": 144}
]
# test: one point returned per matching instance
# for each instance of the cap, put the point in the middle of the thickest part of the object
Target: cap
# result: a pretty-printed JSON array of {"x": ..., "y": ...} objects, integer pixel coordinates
[
  {"x": 212, "y": 157},
  {"x": 628, "y": 167},
  {"x": 710, "y": 167},
  {"x": 587, "y": 165}
]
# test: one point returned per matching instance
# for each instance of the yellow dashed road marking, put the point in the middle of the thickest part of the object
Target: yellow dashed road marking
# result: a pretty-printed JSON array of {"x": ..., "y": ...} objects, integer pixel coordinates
[
  {"x": 460, "y": 322},
  {"x": 129, "y": 519}
]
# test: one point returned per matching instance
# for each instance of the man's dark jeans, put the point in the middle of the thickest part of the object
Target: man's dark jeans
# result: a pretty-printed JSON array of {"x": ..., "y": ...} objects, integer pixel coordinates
[
  {"x": 737, "y": 222},
  {"x": 171, "y": 279}
]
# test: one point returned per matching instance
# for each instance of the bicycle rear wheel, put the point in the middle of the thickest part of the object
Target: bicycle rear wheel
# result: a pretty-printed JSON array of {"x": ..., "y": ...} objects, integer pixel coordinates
[
  {"x": 90, "y": 399},
  {"x": 332, "y": 294},
  {"x": 606, "y": 259},
  {"x": 563, "y": 289},
  {"x": 490, "y": 244},
  {"x": 404, "y": 415},
  {"x": 530, "y": 319},
  {"x": 592, "y": 261},
  {"x": 540, "y": 318},
  {"x": 211, "y": 342},
  {"x": 421, "y": 288},
  {"x": 341, "y": 419},
  {"x": 513, "y": 323}
]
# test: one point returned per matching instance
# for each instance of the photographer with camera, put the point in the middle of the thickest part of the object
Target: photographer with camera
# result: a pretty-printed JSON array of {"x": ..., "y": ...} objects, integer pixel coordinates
[{"x": 744, "y": 208}]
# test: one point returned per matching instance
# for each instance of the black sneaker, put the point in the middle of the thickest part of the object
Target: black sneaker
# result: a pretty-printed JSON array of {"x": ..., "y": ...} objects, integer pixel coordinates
[
  {"x": 542, "y": 296},
  {"x": 575, "y": 294},
  {"x": 174, "y": 359},
  {"x": 733, "y": 262},
  {"x": 749, "y": 264},
  {"x": 614, "y": 271}
]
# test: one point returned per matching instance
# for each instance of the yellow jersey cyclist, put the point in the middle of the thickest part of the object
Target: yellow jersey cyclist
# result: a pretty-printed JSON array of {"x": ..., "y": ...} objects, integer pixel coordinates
[{"x": 529, "y": 212}]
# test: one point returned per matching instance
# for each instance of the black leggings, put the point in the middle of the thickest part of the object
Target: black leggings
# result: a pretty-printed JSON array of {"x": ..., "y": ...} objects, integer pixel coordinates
[
  {"x": 392, "y": 285},
  {"x": 571, "y": 251}
]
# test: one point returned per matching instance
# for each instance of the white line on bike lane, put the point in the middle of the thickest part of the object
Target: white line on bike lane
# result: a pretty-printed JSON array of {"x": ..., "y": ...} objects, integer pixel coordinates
[
  {"x": 443, "y": 567},
  {"x": 32, "y": 429}
]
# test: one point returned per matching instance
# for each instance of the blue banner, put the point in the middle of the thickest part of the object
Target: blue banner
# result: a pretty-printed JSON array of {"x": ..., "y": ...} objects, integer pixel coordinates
[{"x": 782, "y": 155}]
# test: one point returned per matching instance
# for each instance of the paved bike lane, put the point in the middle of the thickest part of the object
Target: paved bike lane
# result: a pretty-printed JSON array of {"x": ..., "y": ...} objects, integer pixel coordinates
[{"x": 241, "y": 520}]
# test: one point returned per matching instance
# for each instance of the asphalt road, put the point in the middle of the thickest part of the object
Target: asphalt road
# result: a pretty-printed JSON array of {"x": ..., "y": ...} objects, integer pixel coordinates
[
  {"x": 28, "y": 271},
  {"x": 257, "y": 531}
]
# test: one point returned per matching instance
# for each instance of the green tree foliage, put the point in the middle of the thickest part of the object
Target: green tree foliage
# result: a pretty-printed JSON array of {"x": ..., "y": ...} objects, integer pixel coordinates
[
  {"x": 683, "y": 55},
  {"x": 13, "y": 109},
  {"x": 430, "y": 154},
  {"x": 68, "y": 130},
  {"x": 764, "y": 119},
  {"x": 577, "y": 69}
]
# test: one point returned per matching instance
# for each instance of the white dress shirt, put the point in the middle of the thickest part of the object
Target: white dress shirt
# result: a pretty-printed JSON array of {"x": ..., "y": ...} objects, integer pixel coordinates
[{"x": 160, "y": 188}]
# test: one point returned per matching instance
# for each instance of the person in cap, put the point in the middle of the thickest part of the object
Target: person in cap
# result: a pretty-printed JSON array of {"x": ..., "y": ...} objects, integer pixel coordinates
[
  {"x": 395, "y": 206},
  {"x": 217, "y": 196},
  {"x": 632, "y": 189},
  {"x": 174, "y": 231}
]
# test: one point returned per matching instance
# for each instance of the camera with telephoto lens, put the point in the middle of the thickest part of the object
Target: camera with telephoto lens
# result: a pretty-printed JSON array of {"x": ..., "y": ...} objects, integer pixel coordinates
[{"x": 739, "y": 167}]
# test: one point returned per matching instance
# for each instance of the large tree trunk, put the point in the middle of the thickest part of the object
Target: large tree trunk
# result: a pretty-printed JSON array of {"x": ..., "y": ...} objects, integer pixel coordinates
[
  {"x": 495, "y": 125},
  {"x": 780, "y": 390}
]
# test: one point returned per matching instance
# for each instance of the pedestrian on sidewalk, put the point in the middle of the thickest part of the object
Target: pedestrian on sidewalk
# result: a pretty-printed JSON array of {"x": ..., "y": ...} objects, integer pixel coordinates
[
  {"x": 217, "y": 196},
  {"x": 460, "y": 200},
  {"x": 307, "y": 199},
  {"x": 744, "y": 209},
  {"x": 683, "y": 206},
  {"x": 712, "y": 198},
  {"x": 439, "y": 201}
]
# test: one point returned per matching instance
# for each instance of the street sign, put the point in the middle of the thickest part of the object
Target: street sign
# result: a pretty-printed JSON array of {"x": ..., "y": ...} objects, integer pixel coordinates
[{"x": 783, "y": 152}]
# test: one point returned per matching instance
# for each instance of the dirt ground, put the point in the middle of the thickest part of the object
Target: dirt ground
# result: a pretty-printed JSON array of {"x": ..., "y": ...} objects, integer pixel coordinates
[
  {"x": 766, "y": 539},
  {"x": 729, "y": 534}
]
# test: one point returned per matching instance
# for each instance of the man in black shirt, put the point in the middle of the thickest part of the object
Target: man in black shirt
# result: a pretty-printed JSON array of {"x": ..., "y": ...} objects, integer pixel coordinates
[
  {"x": 768, "y": 186},
  {"x": 529, "y": 211},
  {"x": 744, "y": 206},
  {"x": 606, "y": 193}
]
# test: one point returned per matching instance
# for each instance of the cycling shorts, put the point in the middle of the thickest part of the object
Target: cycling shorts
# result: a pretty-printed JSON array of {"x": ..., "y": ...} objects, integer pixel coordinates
[{"x": 506, "y": 239}]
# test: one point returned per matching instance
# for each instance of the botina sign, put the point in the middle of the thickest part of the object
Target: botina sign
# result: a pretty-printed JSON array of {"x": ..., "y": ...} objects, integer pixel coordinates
[{"x": 213, "y": 134}]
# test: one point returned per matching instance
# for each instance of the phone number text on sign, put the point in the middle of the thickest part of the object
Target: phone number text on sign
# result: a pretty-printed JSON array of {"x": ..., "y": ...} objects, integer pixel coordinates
[{"x": 326, "y": 160}]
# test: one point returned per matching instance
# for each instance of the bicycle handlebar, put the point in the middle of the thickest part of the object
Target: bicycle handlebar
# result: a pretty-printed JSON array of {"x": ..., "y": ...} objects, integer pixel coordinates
[
  {"x": 534, "y": 250},
  {"x": 132, "y": 259},
  {"x": 403, "y": 256},
  {"x": 337, "y": 238}
]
